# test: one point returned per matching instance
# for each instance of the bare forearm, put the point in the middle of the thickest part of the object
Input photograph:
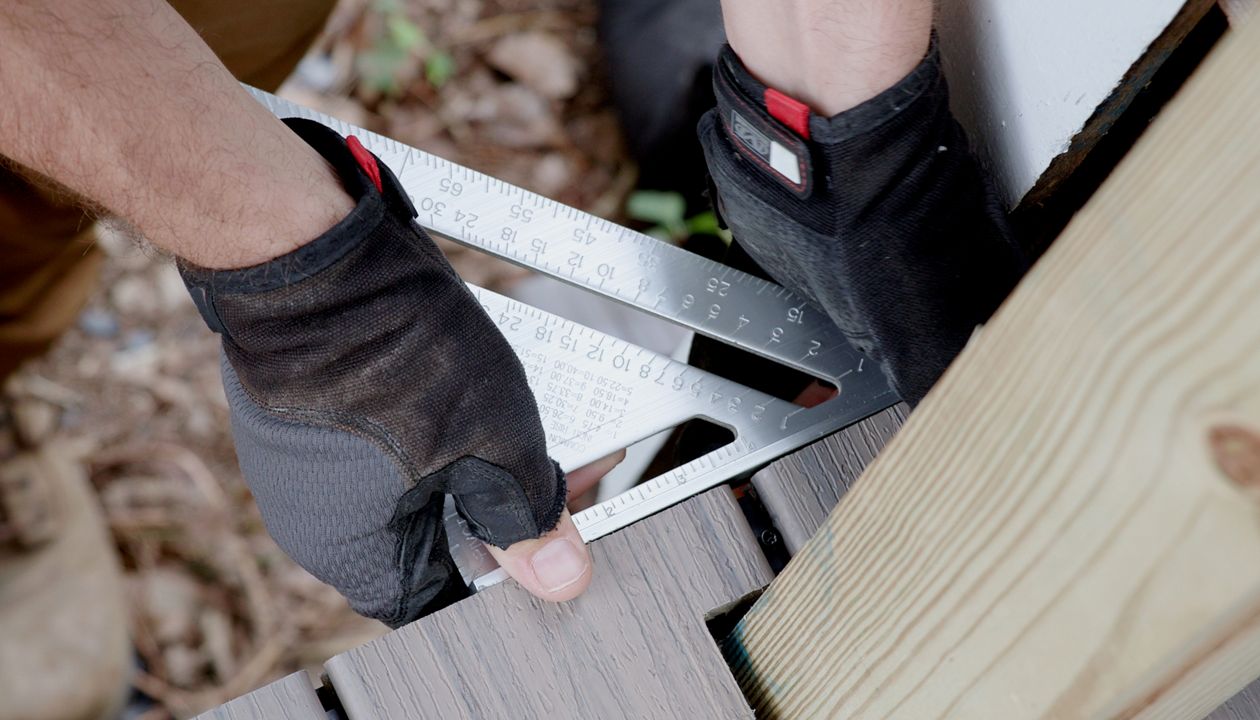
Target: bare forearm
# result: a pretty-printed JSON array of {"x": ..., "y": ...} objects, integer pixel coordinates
[
  {"x": 122, "y": 102},
  {"x": 830, "y": 54}
]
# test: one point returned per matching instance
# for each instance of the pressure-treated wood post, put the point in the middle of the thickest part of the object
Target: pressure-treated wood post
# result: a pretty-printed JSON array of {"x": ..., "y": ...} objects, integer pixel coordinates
[{"x": 1069, "y": 525}]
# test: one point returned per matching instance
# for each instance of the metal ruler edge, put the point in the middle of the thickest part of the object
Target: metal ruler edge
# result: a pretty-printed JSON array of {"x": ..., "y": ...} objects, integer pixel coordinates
[
  {"x": 578, "y": 248},
  {"x": 637, "y": 393},
  {"x": 626, "y": 378}
]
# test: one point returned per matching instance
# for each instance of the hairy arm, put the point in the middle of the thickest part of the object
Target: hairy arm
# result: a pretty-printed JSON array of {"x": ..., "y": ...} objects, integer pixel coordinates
[
  {"x": 122, "y": 102},
  {"x": 830, "y": 54}
]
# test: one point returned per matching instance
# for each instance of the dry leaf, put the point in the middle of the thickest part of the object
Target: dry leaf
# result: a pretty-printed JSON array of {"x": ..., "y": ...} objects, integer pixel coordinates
[{"x": 539, "y": 61}]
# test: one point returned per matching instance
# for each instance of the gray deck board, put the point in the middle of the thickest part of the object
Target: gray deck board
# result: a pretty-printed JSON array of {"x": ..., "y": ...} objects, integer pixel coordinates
[
  {"x": 635, "y": 645},
  {"x": 801, "y": 489},
  {"x": 1243, "y": 706},
  {"x": 290, "y": 698}
]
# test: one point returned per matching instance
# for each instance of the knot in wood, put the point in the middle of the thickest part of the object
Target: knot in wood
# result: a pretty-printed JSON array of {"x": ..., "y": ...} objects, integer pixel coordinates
[{"x": 1236, "y": 450}]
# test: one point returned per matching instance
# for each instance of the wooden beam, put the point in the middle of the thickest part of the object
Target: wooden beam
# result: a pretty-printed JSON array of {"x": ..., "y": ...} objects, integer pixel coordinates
[
  {"x": 801, "y": 489},
  {"x": 1239, "y": 11},
  {"x": 1069, "y": 525}
]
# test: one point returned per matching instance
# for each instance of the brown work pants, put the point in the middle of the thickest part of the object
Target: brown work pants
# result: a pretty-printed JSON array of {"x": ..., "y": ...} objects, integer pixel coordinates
[{"x": 48, "y": 263}]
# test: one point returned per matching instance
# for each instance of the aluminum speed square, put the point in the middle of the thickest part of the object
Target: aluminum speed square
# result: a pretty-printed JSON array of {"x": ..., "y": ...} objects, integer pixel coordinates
[{"x": 597, "y": 393}]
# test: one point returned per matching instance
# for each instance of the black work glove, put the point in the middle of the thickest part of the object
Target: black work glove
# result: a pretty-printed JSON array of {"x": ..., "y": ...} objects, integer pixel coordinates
[
  {"x": 879, "y": 216},
  {"x": 365, "y": 382}
]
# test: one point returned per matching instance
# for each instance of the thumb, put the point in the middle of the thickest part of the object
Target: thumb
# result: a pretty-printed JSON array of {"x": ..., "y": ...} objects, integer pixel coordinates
[{"x": 554, "y": 567}]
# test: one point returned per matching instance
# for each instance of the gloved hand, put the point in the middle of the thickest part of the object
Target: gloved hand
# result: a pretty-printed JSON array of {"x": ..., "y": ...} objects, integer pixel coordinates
[
  {"x": 879, "y": 216},
  {"x": 365, "y": 382}
]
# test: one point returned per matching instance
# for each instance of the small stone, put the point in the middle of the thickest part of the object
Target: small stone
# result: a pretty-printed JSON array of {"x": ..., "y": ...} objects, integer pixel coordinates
[
  {"x": 114, "y": 241},
  {"x": 318, "y": 72},
  {"x": 216, "y": 641},
  {"x": 200, "y": 423},
  {"x": 170, "y": 601},
  {"x": 134, "y": 295},
  {"x": 122, "y": 244},
  {"x": 538, "y": 60},
  {"x": 30, "y": 383},
  {"x": 137, "y": 360},
  {"x": 35, "y": 420},
  {"x": 98, "y": 323},
  {"x": 93, "y": 365},
  {"x": 185, "y": 667},
  {"x": 129, "y": 493},
  {"x": 137, "y": 339},
  {"x": 172, "y": 391},
  {"x": 171, "y": 292},
  {"x": 552, "y": 174}
]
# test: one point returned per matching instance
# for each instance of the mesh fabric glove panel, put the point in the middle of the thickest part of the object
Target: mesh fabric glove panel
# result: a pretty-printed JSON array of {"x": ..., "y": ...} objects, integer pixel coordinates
[{"x": 365, "y": 383}]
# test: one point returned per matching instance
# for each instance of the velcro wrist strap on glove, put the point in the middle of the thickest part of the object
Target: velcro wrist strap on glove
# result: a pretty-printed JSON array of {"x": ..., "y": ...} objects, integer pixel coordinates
[
  {"x": 879, "y": 216},
  {"x": 365, "y": 384}
]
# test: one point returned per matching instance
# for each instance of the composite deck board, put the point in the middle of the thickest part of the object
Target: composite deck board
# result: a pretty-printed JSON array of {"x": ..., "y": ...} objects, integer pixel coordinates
[
  {"x": 290, "y": 698},
  {"x": 1243, "y": 706},
  {"x": 800, "y": 490},
  {"x": 635, "y": 645}
]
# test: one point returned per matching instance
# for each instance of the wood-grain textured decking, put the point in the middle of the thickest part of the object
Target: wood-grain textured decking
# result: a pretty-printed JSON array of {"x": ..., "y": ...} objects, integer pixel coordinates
[{"x": 635, "y": 645}]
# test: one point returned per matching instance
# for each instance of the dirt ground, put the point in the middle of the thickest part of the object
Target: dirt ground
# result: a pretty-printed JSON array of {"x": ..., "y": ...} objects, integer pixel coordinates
[{"x": 509, "y": 87}]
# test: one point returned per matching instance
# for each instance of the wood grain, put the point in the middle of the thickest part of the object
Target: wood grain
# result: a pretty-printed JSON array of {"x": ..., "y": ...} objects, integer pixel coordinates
[
  {"x": 1243, "y": 706},
  {"x": 1239, "y": 11},
  {"x": 800, "y": 490},
  {"x": 290, "y": 698},
  {"x": 634, "y": 646},
  {"x": 1038, "y": 84},
  {"x": 1062, "y": 529}
]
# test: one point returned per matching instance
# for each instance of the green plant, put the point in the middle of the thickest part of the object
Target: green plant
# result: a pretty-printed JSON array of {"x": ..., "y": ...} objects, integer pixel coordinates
[
  {"x": 668, "y": 212},
  {"x": 399, "y": 44}
]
